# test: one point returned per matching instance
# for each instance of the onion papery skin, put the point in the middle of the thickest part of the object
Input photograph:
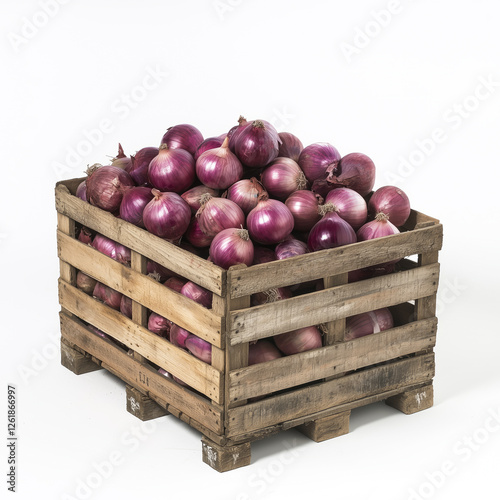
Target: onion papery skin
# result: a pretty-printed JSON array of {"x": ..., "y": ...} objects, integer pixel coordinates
[
  {"x": 219, "y": 168},
  {"x": 121, "y": 160},
  {"x": 110, "y": 297},
  {"x": 263, "y": 350},
  {"x": 391, "y": 201},
  {"x": 330, "y": 232},
  {"x": 217, "y": 214},
  {"x": 85, "y": 235},
  {"x": 271, "y": 295},
  {"x": 85, "y": 283},
  {"x": 377, "y": 228},
  {"x": 282, "y": 177},
  {"x": 175, "y": 283},
  {"x": 246, "y": 193},
  {"x": 183, "y": 136},
  {"x": 257, "y": 144},
  {"x": 197, "y": 293},
  {"x": 164, "y": 273},
  {"x": 159, "y": 325},
  {"x": 193, "y": 196},
  {"x": 301, "y": 340},
  {"x": 270, "y": 222},
  {"x": 231, "y": 247},
  {"x": 172, "y": 170},
  {"x": 112, "y": 249},
  {"x": 133, "y": 203},
  {"x": 126, "y": 306},
  {"x": 290, "y": 146},
  {"x": 261, "y": 255},
  {"x": 140, "y": 164},
  {"x": 350, "y": 205},
  {"x": 315, "y": 159},
  {"x": 290, "y": 247},
  {"x": 355, "y": 171},
  {"x": 81, "y": 191},
  {"x": 235, "y": 131},
  {"x": 303, "y": 205},
  {"x": 178, "y": 335},
  {"x": 167, "y": 215},
  {"x": 196, "y": 236},
  {"x": 199, "y": 348},
  {"x": 106, "y": 186},
  {"x": 368, "y": 323},
  {"x": 209, "y": 143}
]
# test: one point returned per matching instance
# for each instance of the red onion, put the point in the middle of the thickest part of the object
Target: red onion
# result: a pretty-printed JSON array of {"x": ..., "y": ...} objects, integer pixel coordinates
[
  {"x": 126, "y": 306},
  {"x": 269, "y": 222},
  {"x": 140, "y": 164},
  {"x": 112, "y": 249},
  {"x": 246, "y": 193},
  {"x": 230, "y": 247},
  {"x": 282, "y": 177},
  {"x": 175, "y": 283},
  {"x": 301, "y": 340},
  {"x": 216, "y": 214},
  {"x": 290, "y": 146},
  {"x": 199, "y": 348},
  {"x": 106, "y": 186},
  {"x": 377, "y": 228},
  {"x": 315, "y": 159},
  {"x": 262, "y": 351},
  {"x": 290, "y": 247},
  {"x": 159, "y": 325},
  {"x": 210, "y": 143},
  {"x": 133, "y": 204},
  {"x": 85, "y": 283},
  {"x": 167, "y": 215},
  {"x": 368, "y": 323},
  {"x": 219, "y": 168},
  {"x": 235, "y": 131},
  {"x": 198, "y": 294},
  {"x": 193, "y": 196},
  {"x": 178, "y": 335},
  {"x": 261, "y": 255},
  {"x": 121, "y": 160},
  {"x": 100, "y": 333},
  {"x": 85, "y": 236},
  {"x": 330, "y": 232},
  {"x": 304, "y": 205},
  {"x": 163, "y": 372},
  {"x": 196, "y": 236},
  {"x": 257, "y": 144},
  {"x": 350, "y": 205},
  {"x": 171, "y": 170},
  {"x": 153, "y": 268},
  {"x": 272, "y": 295},
  {"x": 391, "y": 201},
  {"x": 110, "y": 297},
  {"x": 183, "y": 136},
  {"x": 355, "y": 171},
  {"x": 81, "y": 191}
]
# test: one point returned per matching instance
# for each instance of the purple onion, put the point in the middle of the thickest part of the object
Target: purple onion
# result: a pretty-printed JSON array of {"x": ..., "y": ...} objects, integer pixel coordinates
[
  {"x": 263, "y": 350},
  {"x": 196, "y": 236},
  {"x": 85, "y": 283},
  {"x": 210, "y": 143},
  {"x": 350, "y": 205},
  {"x": 330, "y": 232},
  {"x": 315, "y": 159},
  {"x": 199, "y": 348},
  {"x": 183, "y": 136},
  {"x": 304, "y": 205},
  {"x": 126, "y": 306},
  {"x": 81, "y": 191},
  {"x": 262, "y": 255},
  {"x": 269, "y": 222},
  {"x": 257, "y": 144},
  {"x": 246, "y": 193},
  {"x": 178, "y": 335},
  {"x": 216, "y": 214},
  {"x": 355, "y": 171},
  {"x": 282, "y": 177},
  {"x": 175, "y": 283},
  {"x": 235, "y": 131},
  {"x": 159, "y": 325},
  {"x": 391, "y": 201},
  {"x": 133, "y": 203},
  {"x": 193, "y": 196},
  {"x": 271, "y": 295},
  {"x": 197, "y": 293},
  {"x": 121, "y": 160},
  {"x": 112, "y": 249},
  {"x": 290, "y": 247},
  {"x": 368, "y": 323},
  {"x": 140, "y": 164},
  {"x": 231, "y": 247},
  {"x": 110, "y": 297},
  {"x": 290, "y": 146},
  {"x": 301, "y": 340}
]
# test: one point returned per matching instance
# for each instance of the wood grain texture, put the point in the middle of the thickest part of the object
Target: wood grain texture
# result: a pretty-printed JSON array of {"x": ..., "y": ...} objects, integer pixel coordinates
[
  {"x": 141, "y": 406},
  {"x": 75, "y": 361},
  {"x": 225, "y": 458},
  {"x": 326, "y": 428},
  {"x": 414, "y": 400}
]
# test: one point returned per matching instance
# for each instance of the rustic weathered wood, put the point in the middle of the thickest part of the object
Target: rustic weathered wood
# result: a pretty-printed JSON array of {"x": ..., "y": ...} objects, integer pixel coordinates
[
  {"x": 331, "y": 304},
  {"x": 75, "y": 361},
  {"x": 335, "y": 330},
  {"x": 425, "y": 307},
  {"x": 194, "y": 268},
  {"x": 143, "y": 289},
  {"x": 225, "y": 458},
  {"x": 66, "y": 226},
  {"x": 413, "y": 400},
  {"x": 141, "y": 406},
  {"x": 139, "y": 313},
  {"x": 325, "y": 428}
]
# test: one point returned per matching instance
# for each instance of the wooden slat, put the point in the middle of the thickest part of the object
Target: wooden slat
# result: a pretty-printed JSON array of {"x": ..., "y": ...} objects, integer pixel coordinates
[
  {"x": 334, "y": 329},
  {"x": 194, "y": 372},
  {"x": 316, "y": 265},
  {"x": 302, "y": 402},
  {"x": 194, "y": 268},
  {"x": 151, "y": 294},
  {"x": 66, "y": 226},
  {"x": 332, "y": 304},
  {"x": 425, "y": 307},
  {"x": 291, "y": 371},
  {"x": 141, "y": 376},
  {"x": 139, "y": 313}
]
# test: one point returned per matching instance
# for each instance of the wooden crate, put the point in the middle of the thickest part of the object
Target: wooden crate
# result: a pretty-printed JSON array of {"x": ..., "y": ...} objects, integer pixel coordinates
[{"x": 230, "y": 403}]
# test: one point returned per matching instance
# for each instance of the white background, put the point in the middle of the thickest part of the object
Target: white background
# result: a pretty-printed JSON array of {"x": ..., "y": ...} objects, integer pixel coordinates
[{"x": 401, "y": 81}]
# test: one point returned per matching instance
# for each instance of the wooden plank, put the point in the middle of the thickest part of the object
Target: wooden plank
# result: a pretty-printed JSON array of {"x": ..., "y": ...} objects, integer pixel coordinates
[
  {"x": 194, "y": 372},
  {"x": 291, "y": 371},
  {"x": 66, "y": 226},
  {"x": 301, "y": 402},
  {"x": 316, "y": 265},
  {"x": 414, "y": 400},
  {"x": 425, "y": 307},
  {"x": 75, "y": 361},
  {"x": 141, "y": 406},
  {"x": 334, "y": 303},
  {"x": 335, "y": 330},
  {"x": 225, "y": 458},
  {"x": 151, "y": 294},
  {"x": 140, "y": 375},
  {"x": 324, "y": 428},
  {"x": 192, "y": 267},
  {"x": 139, "y": 313}
]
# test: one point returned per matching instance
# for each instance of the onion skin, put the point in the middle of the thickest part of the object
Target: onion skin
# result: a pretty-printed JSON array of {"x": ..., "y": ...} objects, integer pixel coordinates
[
  {"x": 391, "y": 201},
  {"x": 290, "y": 146},
  {"x": 85, "y": 236},
  {"x": 217, "y": 214},
  {"x": 261, "y": 255},
  {"x": 269, "y": 296},
  {"x": 197, "y": 293},
  {"x": 110, "y": 297},
  {"x": 282, "y": 177},
  {"x": 257, "y": 144},
  {"x": 183, "y": 136},
  {"x": 175, "y": 283},
  {"x": 303, "y": 205},
  {"x": 133, "y": 203},
  {"x": 193, "y": 196},
  {"x": 315, "y": 159},
  {"x": 140, "y": 164},
  {"x": 231, "y": 247},
  {"x": 199, "y": 348},
  {"x": 330, "y": 232},
  {"x": 196, "y": 236},
  {"x": 270, "y": 222},
  {"x": 209, "y": 143},
  {"x": 235, "y": 131},
  {"x": 121, "y": 160},
  {"x": 301, "y": 340},
  {"x": 112, "y": 249},
  {"x": 368, "y": 323},
  {"x": 290, "y": 247},
  {"x": 178, "y": 335},
  {"x": 159, "y": 325},
  {"x": 246, "y": 193},
  {"x": 85, "y": 283},
  {"x": 262, "y": 351},
  {"x": 350, "y": 205},
  {"x": 167, "y": 215},
  {"x": 377, "y": 228},
  {"x": 355, "y": 171},
  {"x": 126, "y": 306},
  {"x": 81, "y": 191}
]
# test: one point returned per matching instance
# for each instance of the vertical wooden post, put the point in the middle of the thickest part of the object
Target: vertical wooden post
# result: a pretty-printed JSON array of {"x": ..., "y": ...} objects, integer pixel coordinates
[
  {"x": 66, "y": 226},
  {"x": 139, "y": 312},
  {"x": 334, "y": 329},
  {"x": 219, "y": 355}
]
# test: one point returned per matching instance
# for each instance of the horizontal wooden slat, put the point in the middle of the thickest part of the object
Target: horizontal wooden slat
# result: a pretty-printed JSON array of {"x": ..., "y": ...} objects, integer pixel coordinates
[
  {"x": 290, "y": 371},
  {"x": 141, "y": 376},
  {"x": 194, "y": 372},
  {"x": 143, "y": 289},
  {"x": 191, "y": 266},
  {"x": 333, "y": 303},
  {"x": 308, "y": 400},
  {"x": 334, "y": 261}
]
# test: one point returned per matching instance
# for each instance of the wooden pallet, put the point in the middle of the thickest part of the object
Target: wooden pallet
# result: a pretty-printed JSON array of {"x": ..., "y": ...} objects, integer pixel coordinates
[{"x": 230, "y": 403}]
